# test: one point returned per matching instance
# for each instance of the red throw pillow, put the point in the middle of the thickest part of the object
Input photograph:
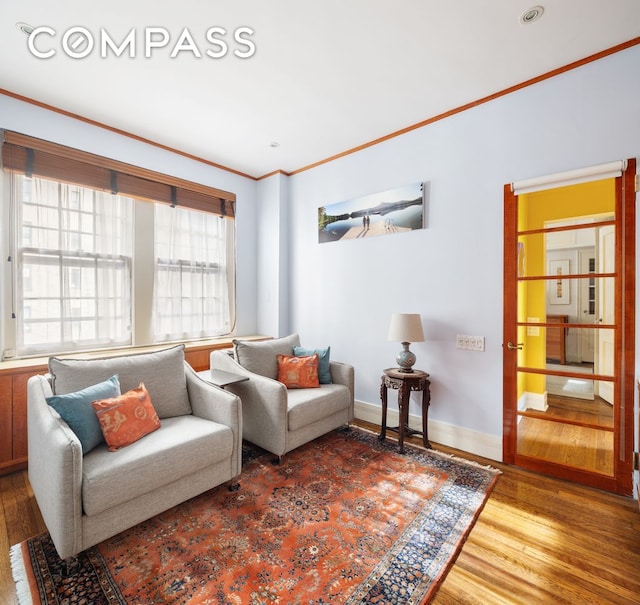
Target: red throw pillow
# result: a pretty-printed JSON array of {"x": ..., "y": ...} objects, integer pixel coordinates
[
  {"x": 298, "y": 372},
  {"x": 127, "y": 418}
]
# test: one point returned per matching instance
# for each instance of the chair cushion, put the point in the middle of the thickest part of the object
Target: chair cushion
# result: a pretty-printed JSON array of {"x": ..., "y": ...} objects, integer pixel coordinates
[
  {"x": 161, "y": 371},
  {"x": 182, "y": 445},
  {"x": 307, "y": 406},
  {"x": 76, "y": 410},
  {"x": 260, "y": 357}
]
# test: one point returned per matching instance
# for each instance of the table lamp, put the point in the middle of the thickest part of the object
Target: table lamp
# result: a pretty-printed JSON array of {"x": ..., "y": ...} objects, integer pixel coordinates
[{"x": 406, "y": 328}]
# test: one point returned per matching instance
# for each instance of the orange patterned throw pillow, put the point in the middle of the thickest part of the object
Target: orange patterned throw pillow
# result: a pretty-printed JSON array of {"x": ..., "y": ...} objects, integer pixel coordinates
[
  {"x": 127, "y": 418},
  {"x": 298, "y": 372}
]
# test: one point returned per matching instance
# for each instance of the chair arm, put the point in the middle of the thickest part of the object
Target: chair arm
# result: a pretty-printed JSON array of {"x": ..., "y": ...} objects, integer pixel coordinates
[
  {"x": 264, "y": 404},
  {"x": 213, "y": 403},
  {"x": 55, "y": 469},
  {"x": 342, "y": 373}
]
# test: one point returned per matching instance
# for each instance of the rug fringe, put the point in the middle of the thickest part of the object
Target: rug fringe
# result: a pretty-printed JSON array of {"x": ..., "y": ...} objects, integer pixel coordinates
[
  {"x": 20, "y": 577},
  {"x": 455, "y": 458}
]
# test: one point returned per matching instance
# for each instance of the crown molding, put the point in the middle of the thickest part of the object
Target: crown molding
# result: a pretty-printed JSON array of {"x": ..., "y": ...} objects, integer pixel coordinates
[{"x": 551, "y": 74}]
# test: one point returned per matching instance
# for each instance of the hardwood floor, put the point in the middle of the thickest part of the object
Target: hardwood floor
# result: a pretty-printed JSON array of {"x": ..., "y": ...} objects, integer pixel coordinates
[
  {"x": 594, "y": 411},
  {"x": 19, "y": 519},
  {"x": 574, "y": 432},
  {"x": 537, "y": 540}
]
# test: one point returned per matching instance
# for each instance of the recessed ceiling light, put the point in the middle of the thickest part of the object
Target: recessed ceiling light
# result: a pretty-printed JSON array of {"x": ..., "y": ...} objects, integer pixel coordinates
[
  {"x": 25, "y": 28},
  {"x": 531, "y": 15}
]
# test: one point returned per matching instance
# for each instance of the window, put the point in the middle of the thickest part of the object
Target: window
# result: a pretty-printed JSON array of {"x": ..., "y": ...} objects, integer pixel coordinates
[
  {"x": 191, "y": 285},
  {"x": 95, "y": 265},
  {"x": 74, "y": 262}
]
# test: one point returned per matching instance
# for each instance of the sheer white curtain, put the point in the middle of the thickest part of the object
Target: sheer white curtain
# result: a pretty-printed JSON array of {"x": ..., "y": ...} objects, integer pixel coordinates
[
  {"x": 74, "y": 254},
  {"x": 193, "y": 293}
]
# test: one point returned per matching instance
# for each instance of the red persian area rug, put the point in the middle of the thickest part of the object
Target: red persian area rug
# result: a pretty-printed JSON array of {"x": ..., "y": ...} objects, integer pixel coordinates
[{"x": 344, "y": 519}]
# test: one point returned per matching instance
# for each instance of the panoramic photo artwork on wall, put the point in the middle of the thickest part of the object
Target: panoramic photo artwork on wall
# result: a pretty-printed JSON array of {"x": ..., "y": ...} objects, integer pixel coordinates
[{"x": 392, "y": 211}]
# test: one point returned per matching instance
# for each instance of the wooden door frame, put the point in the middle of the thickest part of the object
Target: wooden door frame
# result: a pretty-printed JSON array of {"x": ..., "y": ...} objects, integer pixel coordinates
[
  {"x": 622, "y": 480},
  {"x": 510, "y": 329}
]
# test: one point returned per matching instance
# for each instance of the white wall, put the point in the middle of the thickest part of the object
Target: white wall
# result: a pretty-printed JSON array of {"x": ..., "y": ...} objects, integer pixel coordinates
[
  {"x": 272, "y": 256},
  {"x": 38, "y": 122},
  {"x": 343, "y": 293}
]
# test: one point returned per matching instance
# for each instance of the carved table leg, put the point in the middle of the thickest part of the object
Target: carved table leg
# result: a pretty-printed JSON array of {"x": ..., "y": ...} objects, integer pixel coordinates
[
  {"x": 426, "y": 400},
  {"x": 403, "y": 406},
  {"x": 383, "y": 397}
]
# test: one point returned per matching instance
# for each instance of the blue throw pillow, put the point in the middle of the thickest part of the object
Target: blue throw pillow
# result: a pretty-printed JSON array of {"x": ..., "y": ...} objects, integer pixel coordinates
[
  {"x": 324, "y": 372},
  {"x": 76, "y": 410}
]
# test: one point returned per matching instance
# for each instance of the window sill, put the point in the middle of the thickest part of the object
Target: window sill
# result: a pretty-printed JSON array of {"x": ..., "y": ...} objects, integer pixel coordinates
[{"x": 193, "y": 347}]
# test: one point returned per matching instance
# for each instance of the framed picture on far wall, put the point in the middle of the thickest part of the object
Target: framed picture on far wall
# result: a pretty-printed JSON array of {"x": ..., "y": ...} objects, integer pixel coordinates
[
  {"x": 394, "y": 211},
  {"x": 559, "y": 289}
]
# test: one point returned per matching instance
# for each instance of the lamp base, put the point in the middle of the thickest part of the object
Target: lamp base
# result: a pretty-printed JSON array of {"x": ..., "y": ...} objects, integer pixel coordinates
[{"x": 405, "y": 359}]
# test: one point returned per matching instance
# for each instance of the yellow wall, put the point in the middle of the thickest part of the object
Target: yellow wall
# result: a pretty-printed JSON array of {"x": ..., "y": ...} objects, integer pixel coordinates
[
  {"x": 534, "y": 209},
  {"x": 587, "y": 199}
]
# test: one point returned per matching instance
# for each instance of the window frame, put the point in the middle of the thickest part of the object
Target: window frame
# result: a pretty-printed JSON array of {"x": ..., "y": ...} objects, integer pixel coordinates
[{"x": 31, "y": 156}]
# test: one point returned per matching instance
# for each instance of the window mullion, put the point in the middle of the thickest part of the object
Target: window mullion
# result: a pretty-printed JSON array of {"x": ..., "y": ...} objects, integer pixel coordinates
[{"x": 61, "y": 227}]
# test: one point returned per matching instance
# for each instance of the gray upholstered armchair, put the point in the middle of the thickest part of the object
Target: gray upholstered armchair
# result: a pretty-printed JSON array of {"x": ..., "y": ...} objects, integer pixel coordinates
[
  {"x": 274, "y": 417},
  {"x": 88, "y": 493}
]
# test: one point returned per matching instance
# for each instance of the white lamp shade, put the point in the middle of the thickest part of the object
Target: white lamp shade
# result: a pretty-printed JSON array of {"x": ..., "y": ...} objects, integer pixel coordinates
[{"x": 406, "y": 327}]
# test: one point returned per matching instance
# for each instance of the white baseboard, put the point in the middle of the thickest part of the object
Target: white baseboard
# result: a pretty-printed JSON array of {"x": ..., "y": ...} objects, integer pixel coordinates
[
  {"x": 533, "y": 401},
  {"x": 467, "y": 440}
]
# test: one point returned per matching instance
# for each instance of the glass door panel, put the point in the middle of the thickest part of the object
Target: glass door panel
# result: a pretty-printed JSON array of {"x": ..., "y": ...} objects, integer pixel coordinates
[
  {"x": 564, "y": 397},
  {"x": 568, "y": 444},
  {"x": 567, "y": 206},
  {"x": 566, "y": 297}
]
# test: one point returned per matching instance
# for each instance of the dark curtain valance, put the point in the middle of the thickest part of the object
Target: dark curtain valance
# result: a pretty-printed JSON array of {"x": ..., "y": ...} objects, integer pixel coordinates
[{"x": 35, "y": 157}]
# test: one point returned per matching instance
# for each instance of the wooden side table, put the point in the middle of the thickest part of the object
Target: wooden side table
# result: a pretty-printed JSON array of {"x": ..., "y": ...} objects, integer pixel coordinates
[{"x": 404, "y": 383}]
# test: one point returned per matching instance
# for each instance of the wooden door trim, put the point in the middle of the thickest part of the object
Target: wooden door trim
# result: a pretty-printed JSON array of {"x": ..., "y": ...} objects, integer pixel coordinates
[
  {"x": 510, "y": 330},
  {"x": 625, "y": 385},
  {"x": 627, "y": 377},
  {"x": 568, "y": 473}
]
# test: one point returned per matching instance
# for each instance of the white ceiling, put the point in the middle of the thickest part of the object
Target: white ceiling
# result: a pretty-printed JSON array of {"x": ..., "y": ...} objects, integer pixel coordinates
[{"x": 327, "y": 75}]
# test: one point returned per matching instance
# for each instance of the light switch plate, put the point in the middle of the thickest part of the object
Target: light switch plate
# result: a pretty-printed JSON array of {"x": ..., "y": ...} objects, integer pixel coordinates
[{"x": 469, "y": 343}]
